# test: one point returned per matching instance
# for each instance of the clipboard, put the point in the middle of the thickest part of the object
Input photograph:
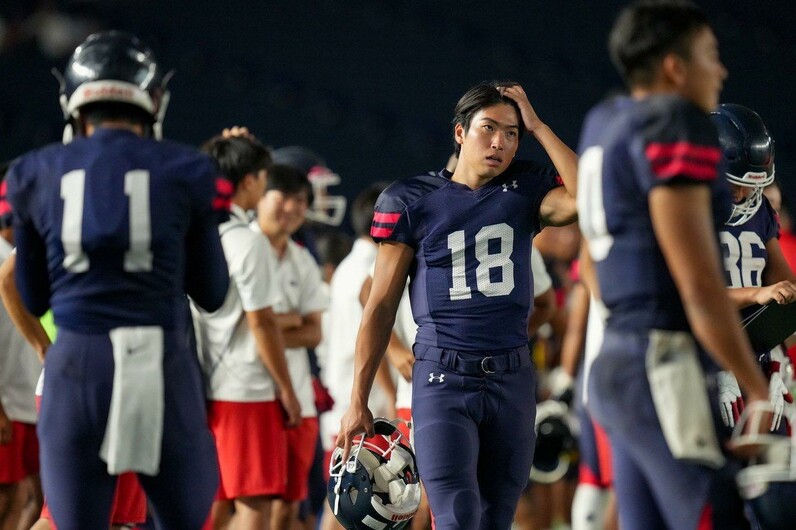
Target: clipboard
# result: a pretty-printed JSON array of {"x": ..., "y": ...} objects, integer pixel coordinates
[{"x": 769, "y": 325}]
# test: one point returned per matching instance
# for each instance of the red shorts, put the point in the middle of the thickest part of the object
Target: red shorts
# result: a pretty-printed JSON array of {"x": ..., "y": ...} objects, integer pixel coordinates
[
  {"x": 129, "y": 503},
  {"x": 301, "y": 443},
  {"x": 252, "y": 448},
  {"x": 19, "y": 457}
]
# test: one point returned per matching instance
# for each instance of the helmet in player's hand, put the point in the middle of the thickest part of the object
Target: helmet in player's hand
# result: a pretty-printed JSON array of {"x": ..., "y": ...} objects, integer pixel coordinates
[
  {"x": 556, "y": 446},
  {"x": 768, "y": 482},
  {"x": 378, "y": 487}
]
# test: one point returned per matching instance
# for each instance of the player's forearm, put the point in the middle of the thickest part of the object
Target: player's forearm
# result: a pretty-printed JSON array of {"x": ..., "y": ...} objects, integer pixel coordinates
[
  {"x": 28, "y": 326},
  {"x": 372, "y": 341},
  {"x": 742, "y": 297},
  {"x": 270, "y": 348},
  {"x": 305, "y": 336},
  {"x": 564, "y": 159}
]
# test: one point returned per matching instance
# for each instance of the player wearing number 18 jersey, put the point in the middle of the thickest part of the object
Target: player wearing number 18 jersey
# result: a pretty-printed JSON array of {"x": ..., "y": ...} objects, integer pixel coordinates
[
  {"x": 464, "y": 238},
  {"x": 112, "y": 230}
]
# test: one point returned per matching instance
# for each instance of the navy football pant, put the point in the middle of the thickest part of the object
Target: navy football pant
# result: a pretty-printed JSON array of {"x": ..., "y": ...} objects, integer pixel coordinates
[
  {"x": 473, "y": 433},
  {"x": 75, "y": 403},
  {"x": 654, "y": 490}
]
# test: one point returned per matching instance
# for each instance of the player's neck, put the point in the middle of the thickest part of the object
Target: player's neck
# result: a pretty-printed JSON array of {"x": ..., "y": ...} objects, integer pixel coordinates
[
  {"x": 278, "y": 243},
  {"x": 470, "y": 179},
  {"x": 133, "y": 127}
]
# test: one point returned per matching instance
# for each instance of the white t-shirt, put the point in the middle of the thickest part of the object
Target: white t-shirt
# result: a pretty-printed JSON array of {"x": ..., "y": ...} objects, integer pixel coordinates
[
  {"x": 227, "y": 350},
  {"x": 542, "y": 281},
  {"x": 300, "y": 289},
  {"x": 19, "y": 365},
  {"x": 340, "y": 334}
]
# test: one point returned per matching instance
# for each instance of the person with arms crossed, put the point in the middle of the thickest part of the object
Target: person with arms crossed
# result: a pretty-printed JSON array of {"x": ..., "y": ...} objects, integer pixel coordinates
[
  {"x": 465, "y": 240},
  {"x": 112, "y": 229},
  {"x": 650, "y": 200},
  {"x": 280, "y": 213}
]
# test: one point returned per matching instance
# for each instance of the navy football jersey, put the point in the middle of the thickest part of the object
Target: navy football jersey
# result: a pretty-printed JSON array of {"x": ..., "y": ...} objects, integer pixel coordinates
[
  {"x": 114, "y": 229},
  {"x": 470, "y": 282},
  {"x": 744, "y": 247},
  {"x": 627, "y": 148}
]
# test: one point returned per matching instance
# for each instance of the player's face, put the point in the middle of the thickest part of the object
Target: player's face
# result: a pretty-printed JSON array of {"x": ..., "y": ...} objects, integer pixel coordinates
[
  {"x": 739, "y": 193},
  {"x": 705, "y": 73},
  {"x": 490, "y": 143},
  {"x": 282, "y": 213}
]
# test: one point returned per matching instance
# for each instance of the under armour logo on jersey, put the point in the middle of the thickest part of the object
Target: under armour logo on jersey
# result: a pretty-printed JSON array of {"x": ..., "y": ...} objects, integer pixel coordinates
[
  {"x": 512, "y": 185},
  {"x": 436, "y": 378}
]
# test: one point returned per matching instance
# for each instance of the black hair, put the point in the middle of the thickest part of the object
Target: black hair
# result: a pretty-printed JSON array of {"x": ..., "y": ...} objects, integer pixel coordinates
[
  {"x": 362, "y": 208},
  {"x": 238, "y": 156},
  {"x": 479, "y": 97},
  {"x": 332, "y": 246},
  {"x": 648, "y": 30},
  {"x": 289, "y": 180},
  {"x": 102, "y": 111}
]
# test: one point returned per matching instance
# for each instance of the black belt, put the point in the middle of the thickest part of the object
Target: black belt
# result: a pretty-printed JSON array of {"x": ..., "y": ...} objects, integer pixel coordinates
[{"x": 475, "y": 363}]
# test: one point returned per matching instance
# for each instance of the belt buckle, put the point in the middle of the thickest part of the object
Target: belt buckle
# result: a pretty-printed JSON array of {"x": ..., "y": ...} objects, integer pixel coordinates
[{"x": 484, "y": 365}]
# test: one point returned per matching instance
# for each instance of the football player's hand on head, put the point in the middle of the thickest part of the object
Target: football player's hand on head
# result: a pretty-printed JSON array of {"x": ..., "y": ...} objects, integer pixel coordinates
[
  {"x": 529, "y": 116},
  {"x": 238, "y": 131}
]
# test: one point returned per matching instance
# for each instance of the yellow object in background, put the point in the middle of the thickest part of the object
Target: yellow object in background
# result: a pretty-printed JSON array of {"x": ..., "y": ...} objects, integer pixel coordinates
[{"x": 49, "y": 325}]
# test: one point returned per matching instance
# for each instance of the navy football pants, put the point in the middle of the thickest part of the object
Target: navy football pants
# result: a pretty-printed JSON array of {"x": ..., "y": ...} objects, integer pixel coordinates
[
  {"x": 473, "y": 433},
  {"x": 75, "y": 403}
]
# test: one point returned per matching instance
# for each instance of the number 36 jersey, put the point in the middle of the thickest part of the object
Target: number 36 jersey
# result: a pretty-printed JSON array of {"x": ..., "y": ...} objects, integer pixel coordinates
[
  {"x": 114, "y": 229},
  {"x": 470, "y": 282}
]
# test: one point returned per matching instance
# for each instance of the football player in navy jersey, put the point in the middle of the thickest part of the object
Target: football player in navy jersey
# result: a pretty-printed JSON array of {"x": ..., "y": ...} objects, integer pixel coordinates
[
  {"x": 755, "y": 268},
  {"x": 650, "y": 200},
  {"x": 113, "y": 228},
  {"x": 464, "y": 239}
]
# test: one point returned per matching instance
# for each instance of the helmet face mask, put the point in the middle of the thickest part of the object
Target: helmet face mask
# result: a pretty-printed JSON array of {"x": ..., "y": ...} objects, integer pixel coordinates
[
  {"x": 749, "y": 154},
  {"x": 378, "y": 486},
  {"x": 326, "y": 208},
  {"x": 112, "y": 67}
]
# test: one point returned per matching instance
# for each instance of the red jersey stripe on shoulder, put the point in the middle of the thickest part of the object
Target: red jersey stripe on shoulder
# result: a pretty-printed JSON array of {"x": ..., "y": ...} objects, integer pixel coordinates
[
  {"x": 706, "y": 519},
  {"x": 379, "y": 231},
  {"x": 655, "y": 151},
  {"x": 379, "y": 217},
  {"x": 685, "y": 168}
]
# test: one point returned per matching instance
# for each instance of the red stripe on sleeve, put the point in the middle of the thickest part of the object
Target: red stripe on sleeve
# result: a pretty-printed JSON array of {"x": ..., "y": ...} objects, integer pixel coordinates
[
  {"x": 678, "y": 166},
  {"x": 703, "y": 153},
  {"x": 378, "y": 231},
  {"x": 379, "y": 217}
]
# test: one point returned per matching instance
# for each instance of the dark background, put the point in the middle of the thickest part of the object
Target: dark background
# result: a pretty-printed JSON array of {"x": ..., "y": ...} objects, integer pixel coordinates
[{"x": 371, "y": 85}]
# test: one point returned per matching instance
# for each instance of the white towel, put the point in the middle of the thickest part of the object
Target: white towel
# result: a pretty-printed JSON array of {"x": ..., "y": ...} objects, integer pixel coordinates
[{"x": 134, "y": 432}]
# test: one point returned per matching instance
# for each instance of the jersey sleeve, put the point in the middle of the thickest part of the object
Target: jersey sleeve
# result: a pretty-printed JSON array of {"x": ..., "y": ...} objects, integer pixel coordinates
[
  {"x": 313, "y": 297},
  {"x": 676, "y": 143},
  {"x": 544, "y": 178},
  {"x": 30, "y": 273},
  {"x": 252, "y": 267},
  {"x": 206, "y": 274},
  {"x": 391, "y": 220}
]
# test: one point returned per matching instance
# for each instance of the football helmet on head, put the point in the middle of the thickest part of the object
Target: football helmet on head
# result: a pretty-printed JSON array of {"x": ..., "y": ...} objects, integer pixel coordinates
[
  {"x": 556, "y": 446},
  {"x": 326, "y": 209},
  {"x": 749, "y": 153},
  {"x": 113, "y": 66},
  {"x": 378, "y": 487},
  {"x": 768, "y": 482}
]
